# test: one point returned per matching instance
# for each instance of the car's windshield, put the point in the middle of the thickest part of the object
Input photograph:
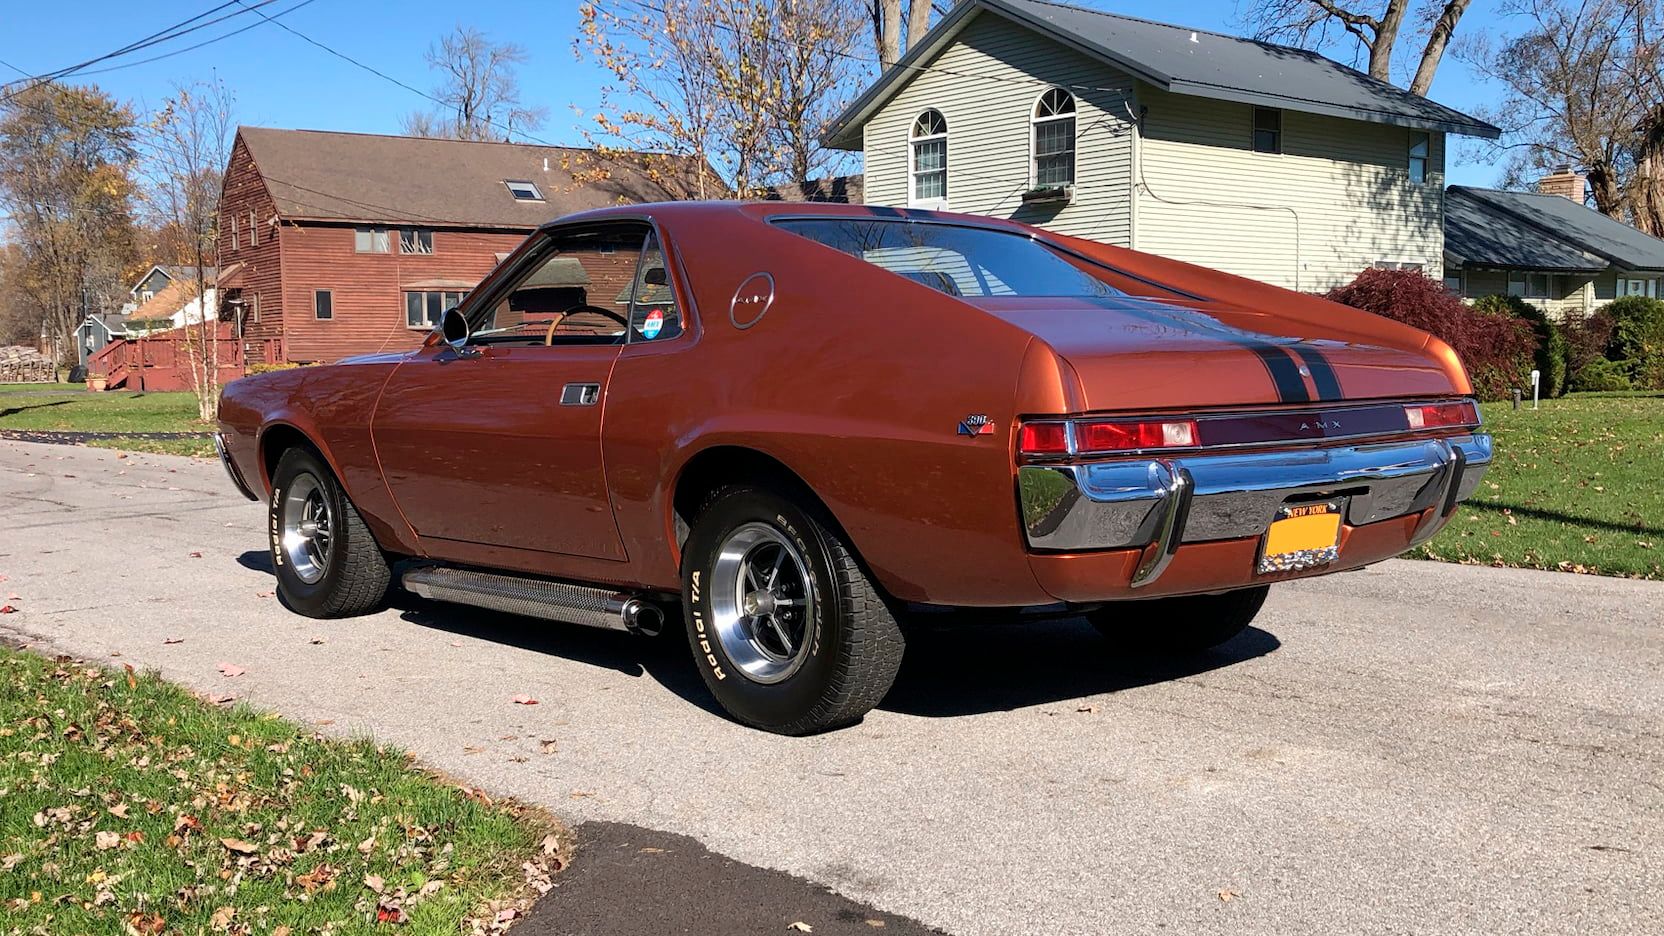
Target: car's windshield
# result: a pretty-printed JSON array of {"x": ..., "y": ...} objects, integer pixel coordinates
[{"x": 958, "y": 260}]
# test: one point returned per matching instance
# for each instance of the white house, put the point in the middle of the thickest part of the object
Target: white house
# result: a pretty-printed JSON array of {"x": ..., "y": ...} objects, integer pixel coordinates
[{"x": 1254, "y": 158}]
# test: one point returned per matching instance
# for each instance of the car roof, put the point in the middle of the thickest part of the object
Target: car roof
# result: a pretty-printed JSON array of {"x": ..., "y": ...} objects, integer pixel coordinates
[{"x": 693, "y": 211}]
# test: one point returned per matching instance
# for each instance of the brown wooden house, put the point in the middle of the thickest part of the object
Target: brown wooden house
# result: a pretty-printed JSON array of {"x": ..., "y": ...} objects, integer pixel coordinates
[{"x": 350, "y": 243}]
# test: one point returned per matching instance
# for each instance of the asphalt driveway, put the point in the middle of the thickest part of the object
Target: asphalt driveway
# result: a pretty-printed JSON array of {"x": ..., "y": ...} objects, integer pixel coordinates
[{"x": 1412, "y": 748}]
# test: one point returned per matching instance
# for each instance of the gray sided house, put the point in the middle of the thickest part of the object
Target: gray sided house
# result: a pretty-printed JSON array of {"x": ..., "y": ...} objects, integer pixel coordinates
[
  {"x": 96, "y": 331},
  {"x": 1258, "y": 159},
  {"x": 1548, "y": 249}
]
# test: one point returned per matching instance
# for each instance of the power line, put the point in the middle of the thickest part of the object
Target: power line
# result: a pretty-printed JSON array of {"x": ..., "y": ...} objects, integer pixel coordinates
[
  {"x": 189, "y": 48},
  {"x": 181, "y": 28},
  {"x": 383, "y": 75}
]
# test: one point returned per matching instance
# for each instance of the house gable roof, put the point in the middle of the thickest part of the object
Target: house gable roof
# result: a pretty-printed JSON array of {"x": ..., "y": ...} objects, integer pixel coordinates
[
  {"x": 1556, "y": 220},
  {"x": 1183, "y": 61},
  {"x": 1478, "y": 234},
  {"x": 322, "y": 175}
]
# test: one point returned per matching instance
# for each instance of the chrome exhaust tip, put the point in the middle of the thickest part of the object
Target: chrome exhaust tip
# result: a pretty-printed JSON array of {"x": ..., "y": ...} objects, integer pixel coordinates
[{"x": 642, "y": 617}]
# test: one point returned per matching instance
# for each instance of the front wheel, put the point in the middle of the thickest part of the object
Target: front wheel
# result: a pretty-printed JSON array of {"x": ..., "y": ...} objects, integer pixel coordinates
[
  {"x": 786, "y": 629},
  {"x": 1187, "y": 624},
  {"x": 327, "y": 563}
]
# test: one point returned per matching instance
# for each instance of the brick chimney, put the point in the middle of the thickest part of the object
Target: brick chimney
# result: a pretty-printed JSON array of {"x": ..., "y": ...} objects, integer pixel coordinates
[{"x": 1564, "y": 182}]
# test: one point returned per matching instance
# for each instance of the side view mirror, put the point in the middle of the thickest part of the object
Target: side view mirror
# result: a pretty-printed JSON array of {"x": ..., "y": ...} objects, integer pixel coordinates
[{"x": 453, "y": 327}]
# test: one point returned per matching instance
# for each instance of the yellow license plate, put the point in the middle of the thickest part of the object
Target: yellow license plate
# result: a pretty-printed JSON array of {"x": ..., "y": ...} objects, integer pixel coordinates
[{"x": 1303, "y": 536}]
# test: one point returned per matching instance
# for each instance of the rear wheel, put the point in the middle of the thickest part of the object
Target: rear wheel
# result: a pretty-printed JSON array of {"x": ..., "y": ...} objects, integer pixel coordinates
[
  {"x": 786, "y": 629},
  {"x": 327, "y": 563},
  {"x": 1187, "y": 624}
]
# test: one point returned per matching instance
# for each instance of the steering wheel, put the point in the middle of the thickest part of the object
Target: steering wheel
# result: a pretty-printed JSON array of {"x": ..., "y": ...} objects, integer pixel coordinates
[{"x": 549, "y": 336}]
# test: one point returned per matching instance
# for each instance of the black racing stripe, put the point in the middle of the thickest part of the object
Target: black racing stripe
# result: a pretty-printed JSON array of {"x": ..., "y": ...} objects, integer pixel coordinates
[
  {"x": 1284, "y": 372},
  {"x": 1323, "y": 376}
]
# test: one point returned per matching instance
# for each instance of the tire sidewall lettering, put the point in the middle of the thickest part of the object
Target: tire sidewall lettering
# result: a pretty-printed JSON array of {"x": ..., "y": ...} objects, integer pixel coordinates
[{"x": 274, "y": 522}]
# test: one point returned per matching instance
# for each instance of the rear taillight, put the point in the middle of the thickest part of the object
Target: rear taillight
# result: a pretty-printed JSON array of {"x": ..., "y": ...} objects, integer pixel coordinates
[
  {"x": 1042, "y": 439},
  {"x": 1104, "y": 436},
  {"x": 1442, "y": 415}
]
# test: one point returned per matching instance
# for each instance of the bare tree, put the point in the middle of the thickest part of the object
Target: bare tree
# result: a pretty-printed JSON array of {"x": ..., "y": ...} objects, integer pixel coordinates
[
  {"x": 189, "y": 143},
  {"x": 886, "y": 28},
  {"x": 1374, "y": 26},
  {"x": 815, "y": 74},
  {"x": 1582, "y": 88},
  {"x": 738, "y": 90},
  {"x": 480, "y": 94},
  {"x": 66, "y": 158}
]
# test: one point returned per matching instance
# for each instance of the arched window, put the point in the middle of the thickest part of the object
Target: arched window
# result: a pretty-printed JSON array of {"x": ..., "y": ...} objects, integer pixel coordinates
[
  {"x": 1054, "y": 139},
  {"x": 928, "y": 158}
]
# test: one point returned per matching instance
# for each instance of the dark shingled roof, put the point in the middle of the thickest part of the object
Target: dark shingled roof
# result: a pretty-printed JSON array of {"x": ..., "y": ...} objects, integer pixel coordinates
[
  {"x": 1547, "y": 226},
  {"x": 330, "y": 176},
  {"x": 1185, "y": 61},
  {"x": 1478, "y": 234},
  {"x": 849, "y": 189}
]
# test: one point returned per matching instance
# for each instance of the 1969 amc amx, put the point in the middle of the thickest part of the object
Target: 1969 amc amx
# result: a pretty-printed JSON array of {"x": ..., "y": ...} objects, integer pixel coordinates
[{"x": 792, "y": 425}]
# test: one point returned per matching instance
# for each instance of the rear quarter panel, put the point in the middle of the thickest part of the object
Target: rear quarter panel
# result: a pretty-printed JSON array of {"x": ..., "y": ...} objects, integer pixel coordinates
[{"x": 856, "y": 380}]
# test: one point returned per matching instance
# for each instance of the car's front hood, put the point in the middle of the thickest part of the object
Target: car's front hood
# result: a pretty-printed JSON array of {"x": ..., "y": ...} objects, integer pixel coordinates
[
  {"x": 384, "y": 357},
  {"x": 1137, "y": 353}
]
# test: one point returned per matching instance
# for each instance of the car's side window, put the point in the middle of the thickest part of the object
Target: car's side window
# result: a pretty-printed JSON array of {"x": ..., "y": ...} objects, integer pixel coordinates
[
  {"x": 577, "y": 291},
  {"x": 654, "y": 315}
]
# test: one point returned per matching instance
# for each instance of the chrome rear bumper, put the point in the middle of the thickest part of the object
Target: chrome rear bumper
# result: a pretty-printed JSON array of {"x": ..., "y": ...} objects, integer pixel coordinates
[{"x": 1196, "y": 498}]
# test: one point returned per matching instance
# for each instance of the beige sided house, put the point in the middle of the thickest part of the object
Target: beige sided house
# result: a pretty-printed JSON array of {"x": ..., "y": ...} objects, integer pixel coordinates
[
  {"x": 1547, "y": 248},
  {"x": 1259, "y": 159}
]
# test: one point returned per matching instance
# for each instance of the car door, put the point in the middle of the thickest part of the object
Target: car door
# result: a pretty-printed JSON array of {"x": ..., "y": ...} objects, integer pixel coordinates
[{"x": 500, "y": 443}]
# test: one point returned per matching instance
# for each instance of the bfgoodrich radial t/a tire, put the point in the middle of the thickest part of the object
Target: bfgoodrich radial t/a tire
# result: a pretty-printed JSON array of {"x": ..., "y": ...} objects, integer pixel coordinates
[
  {"x": 786, "y": 629},
  {"x": 327, "y": 563},
  {"x": 1187, "y": 624}
]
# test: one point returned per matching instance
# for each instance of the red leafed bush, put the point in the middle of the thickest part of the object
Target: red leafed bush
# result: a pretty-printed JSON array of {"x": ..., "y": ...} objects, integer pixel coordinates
[{"x": 1498, "y": 350}]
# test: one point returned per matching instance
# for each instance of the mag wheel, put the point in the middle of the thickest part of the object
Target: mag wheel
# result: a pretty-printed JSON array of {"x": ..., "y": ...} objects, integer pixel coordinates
[
  {"x": 786, "y": 629},
  {"x": 327, "y": 563},
  {"x": 1186, "y": 624}
]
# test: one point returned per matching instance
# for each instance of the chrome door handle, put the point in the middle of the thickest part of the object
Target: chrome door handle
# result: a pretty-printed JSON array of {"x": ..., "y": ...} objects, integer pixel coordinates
[{"x": 580, "y": 394}]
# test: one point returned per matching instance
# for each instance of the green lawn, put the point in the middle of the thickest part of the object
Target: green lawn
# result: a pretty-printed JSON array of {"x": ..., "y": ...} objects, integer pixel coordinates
[
  {"x": 71, "y": 407},
  {"x": 1577, "y": 486},
  {"x": 129, "y": 805}
]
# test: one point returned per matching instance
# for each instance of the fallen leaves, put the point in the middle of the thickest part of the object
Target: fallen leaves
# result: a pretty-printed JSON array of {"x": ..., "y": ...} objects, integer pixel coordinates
[
  {"x": 524, "y": 700},
  {"x": 231, "y": 670},
  {"x": 7, "y": 609},
  {"x": 168, "y": 641},
  {"x": 800, "y": 927},
  {"x": 145, "y": 924},
  {"x": 107, "y": 840},
  {"x": 239, "y": 846}
]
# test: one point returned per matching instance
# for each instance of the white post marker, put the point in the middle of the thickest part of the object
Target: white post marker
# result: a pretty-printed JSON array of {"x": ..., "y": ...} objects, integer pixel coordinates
[{"x": 1536, "y": 380}]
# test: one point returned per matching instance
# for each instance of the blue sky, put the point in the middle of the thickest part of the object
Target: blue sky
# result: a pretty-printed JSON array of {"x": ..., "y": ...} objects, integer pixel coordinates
[{"x": 281, "y": 81}]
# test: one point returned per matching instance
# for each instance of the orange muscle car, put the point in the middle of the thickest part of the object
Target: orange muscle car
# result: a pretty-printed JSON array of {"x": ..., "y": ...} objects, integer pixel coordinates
[{"x": 792, "y": 425}]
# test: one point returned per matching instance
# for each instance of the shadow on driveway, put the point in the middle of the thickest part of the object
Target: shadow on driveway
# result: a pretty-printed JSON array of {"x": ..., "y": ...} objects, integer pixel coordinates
[{"x": 951, "y": 668}]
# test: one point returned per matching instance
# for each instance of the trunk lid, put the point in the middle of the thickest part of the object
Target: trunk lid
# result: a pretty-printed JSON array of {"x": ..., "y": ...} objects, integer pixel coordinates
[{"x": 1139, "y": 353}]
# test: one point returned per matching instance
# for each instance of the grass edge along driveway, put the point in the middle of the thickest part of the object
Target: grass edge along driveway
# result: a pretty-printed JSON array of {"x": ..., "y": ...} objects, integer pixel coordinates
[{"x": 128, "y": 805}]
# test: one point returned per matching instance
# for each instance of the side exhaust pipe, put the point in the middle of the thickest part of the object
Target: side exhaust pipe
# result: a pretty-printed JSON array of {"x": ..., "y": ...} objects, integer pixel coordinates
[
  {"x": 642, "y": 617},
  {"x": 541, "y": 598}
]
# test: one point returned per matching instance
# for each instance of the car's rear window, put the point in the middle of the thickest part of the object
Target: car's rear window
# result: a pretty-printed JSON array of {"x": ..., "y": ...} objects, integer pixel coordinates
[{"x": 958, "y": 260}]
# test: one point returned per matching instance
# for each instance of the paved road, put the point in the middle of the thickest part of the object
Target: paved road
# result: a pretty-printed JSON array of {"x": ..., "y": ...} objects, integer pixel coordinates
[{"x": 1412, "y": 748}]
